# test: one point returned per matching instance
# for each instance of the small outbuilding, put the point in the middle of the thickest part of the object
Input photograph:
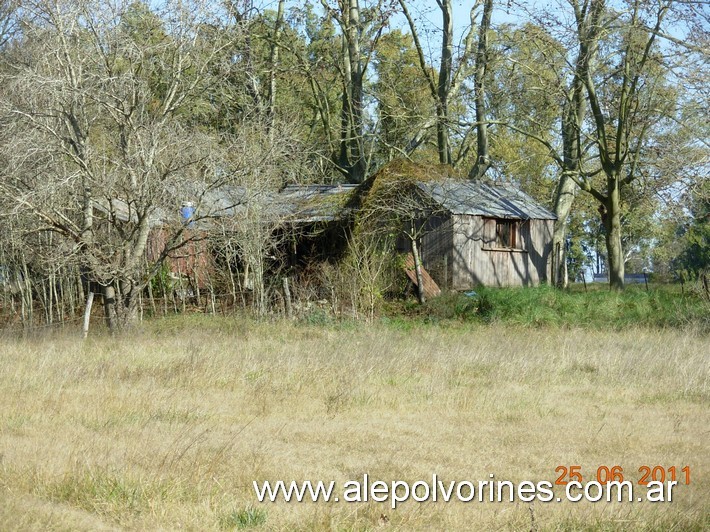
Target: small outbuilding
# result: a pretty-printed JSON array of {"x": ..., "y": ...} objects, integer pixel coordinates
[{"x": 485, "y": 234}]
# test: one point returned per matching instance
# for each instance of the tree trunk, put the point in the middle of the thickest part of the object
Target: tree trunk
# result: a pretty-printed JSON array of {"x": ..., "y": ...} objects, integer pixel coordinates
[
  {"x": 127, "y": 309},
  {"x": 563, "y": 205},
  {"x": 351, "y": 157},
  {"x": 153, "y": 308},
  {"x": 357, "y": 151},
  {"x": 615, "y": 253},
  {"x": 258, "y": 285},
  {"x": 87, "y": 315},
  {"x": 572, "y": 118},
  {"x": 418, "y": 271},
  {"x": 27, "y": 297},
  {"x": 274, "y": 63},
  {"x": 442, "y": 133},
  {"x": 483, "y": 161},
  {"x": 110, "y": 307},
  {"x": 444, "y": 85},
  {"x": 287, "y": 299}
]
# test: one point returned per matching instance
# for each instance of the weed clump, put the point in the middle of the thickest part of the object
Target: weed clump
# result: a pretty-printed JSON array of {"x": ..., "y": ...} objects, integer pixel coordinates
[{"x": 248, "y": 517}]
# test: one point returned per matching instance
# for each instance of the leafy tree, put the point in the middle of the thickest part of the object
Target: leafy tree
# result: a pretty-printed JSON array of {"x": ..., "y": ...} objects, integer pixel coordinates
[
  {"x": 629, "y": 99},
  {"x": 403, "y": 102},
  {"x": 695, "y": 234}
]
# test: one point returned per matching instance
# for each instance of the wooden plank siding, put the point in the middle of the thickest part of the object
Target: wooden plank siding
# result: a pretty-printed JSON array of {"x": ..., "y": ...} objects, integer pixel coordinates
[
  {"x": 478, "y": 261},
  {"x": 437, "y": 246},
  {"x": 460, "y": 252},
  {"x": 193, "y": 260}
]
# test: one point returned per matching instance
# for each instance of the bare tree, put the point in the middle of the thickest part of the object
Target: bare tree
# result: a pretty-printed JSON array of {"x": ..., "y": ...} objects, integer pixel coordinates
[
  {"x": 360, "y": 32},
  {"x": 251, "y": 220},
  {"x": 447, "y": 83},
  {"x": 8, "y": 20},
  {"x": 99, "y": 154}
]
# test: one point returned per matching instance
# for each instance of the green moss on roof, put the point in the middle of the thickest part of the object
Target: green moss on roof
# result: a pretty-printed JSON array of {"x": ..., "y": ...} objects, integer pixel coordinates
[
  {"x": 404, "y": 169},
  {"x": 403, "y": 172}
]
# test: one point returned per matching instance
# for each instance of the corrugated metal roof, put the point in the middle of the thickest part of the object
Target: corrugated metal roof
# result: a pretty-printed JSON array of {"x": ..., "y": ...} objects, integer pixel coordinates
[
  {"x": 315, "y": 203},
  {"x": 481, "y": 199},
  {"x": 319, "y": 203},
  {"x": 295, "y": 203},
  {"x": 124, "y": 211}
]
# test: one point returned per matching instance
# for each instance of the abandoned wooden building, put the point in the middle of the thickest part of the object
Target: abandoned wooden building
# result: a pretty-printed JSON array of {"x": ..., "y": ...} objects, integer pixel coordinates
[
  {"x": 473, "y": 233},
  {"x": 308, "y": 222},
  {"x": 484, "y": 234}
]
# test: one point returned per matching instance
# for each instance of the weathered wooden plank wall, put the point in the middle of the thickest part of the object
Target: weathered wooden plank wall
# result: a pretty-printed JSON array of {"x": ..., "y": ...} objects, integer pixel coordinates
[
  {"x": 193, "y": 260},
  {"x": 437, "y": 246},
  {"x": 477, "y": 261}
]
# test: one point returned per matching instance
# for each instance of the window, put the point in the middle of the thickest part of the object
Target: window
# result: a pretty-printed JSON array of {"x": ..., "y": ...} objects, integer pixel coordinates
[{"x": 507, "y": 234}]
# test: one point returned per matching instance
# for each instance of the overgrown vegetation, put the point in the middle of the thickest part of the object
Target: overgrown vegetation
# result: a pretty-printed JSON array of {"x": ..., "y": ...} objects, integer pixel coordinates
[{"x": 126, "y": 125}]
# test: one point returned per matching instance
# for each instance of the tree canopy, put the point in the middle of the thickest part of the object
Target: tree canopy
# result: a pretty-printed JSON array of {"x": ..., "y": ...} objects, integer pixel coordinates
[{"x": 113, "y": 113}]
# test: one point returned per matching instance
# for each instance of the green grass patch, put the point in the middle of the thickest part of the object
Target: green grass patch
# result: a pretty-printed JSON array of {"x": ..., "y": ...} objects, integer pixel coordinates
[
  {"x": 105, "y": 493},
  {"x": 659, "y": 307},
  {"x": 248, "y": 517},
  {"x": 595, "y": 308}
]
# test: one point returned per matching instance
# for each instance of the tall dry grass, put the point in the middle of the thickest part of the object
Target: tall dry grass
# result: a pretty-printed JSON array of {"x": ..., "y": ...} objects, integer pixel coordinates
[{"x": 167, "y": 427}]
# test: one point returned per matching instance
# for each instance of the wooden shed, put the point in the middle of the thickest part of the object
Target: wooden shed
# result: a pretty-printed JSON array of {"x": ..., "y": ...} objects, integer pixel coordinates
[{"x": 485, "y": 234}]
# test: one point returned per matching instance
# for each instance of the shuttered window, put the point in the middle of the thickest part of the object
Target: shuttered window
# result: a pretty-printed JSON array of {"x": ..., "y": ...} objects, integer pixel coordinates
[{"x": 507, "y": 234}]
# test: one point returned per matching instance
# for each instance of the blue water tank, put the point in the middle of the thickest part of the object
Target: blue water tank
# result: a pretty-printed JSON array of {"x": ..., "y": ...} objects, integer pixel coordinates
[{"x": 187, "y": 211}]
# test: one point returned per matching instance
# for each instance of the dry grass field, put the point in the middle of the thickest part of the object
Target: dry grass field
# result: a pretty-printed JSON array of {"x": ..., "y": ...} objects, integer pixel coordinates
[{"x": 167, "y": 427}]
